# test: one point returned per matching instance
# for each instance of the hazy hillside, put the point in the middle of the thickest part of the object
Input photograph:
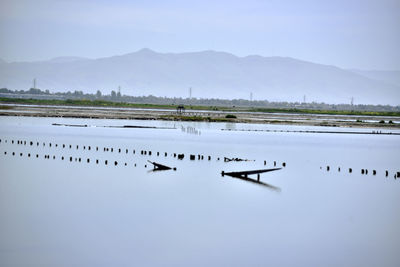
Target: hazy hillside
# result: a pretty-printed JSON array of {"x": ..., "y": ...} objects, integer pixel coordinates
[
  {"x": 210, "y": 74},
  {"x": 391, "y": 77}
]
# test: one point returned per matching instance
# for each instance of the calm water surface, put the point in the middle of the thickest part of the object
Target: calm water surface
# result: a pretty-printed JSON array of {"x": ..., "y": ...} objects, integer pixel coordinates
[{"x": 60, "y": 213}]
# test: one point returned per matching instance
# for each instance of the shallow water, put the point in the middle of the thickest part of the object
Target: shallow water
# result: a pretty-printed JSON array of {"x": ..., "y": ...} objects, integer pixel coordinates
[{"x": 56, "y": 212}]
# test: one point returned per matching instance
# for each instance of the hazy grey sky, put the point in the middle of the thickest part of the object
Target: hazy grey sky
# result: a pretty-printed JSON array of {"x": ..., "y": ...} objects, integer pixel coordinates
[{"x": 347, "y": 33}]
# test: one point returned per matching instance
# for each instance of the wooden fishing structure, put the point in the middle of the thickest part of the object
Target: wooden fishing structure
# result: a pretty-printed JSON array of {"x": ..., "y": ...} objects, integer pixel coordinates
[
  {"x": 160, "y": 167},
  {"x": 244, "y": 175}
]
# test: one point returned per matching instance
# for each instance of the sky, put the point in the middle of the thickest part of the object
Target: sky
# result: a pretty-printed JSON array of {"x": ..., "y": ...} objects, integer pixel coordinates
[{"x": 362, "y": 34}]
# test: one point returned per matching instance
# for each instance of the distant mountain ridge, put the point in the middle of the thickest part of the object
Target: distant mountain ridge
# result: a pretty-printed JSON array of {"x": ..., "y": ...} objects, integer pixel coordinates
[
  {"x": 66, "y": 59},
  {"x": 210, "y": 74}
]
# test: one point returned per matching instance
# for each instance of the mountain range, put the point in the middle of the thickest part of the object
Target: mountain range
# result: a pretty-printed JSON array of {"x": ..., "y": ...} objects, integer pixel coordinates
[{"x": 210, "y": 74}]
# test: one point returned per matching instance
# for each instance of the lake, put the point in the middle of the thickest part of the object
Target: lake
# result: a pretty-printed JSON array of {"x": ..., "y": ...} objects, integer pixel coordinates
[{"x": 59, "y": 207}]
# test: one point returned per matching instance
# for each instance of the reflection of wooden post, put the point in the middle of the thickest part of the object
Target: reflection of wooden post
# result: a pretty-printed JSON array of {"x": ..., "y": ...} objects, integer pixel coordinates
[
  {"x": 258, "y": 177},
  {"x": 350, "y": 170},
  {"x": 387, "y": 173}
]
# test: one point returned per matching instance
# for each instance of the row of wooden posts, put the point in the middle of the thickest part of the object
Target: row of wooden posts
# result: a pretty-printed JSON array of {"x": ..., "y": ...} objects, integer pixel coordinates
[
  {"x": 365, "y": 171},
  {"x": 71, "y": 159},
  {"x": 119, "y": 150}
]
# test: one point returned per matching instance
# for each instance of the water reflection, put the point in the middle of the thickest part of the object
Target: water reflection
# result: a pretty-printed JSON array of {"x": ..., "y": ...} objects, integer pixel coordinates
[
  {"x": 121, "y": 215},
  {"x": 257, "y": 182},
  {"x": 190, "y": 130}
]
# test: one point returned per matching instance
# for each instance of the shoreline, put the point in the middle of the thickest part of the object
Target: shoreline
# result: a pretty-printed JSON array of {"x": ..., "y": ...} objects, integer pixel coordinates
[{"x": 343, "y": 121}]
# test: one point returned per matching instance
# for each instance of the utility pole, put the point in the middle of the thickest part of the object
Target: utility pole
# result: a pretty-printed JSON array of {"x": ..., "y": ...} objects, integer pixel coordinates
[
  {"x": 251, "y": 96},
  {"x": 34, "y": 83},
  {"x": 190, "y": 92},
  {"x": 304, "y": 99},
  {"x": 352, "y": 101}
]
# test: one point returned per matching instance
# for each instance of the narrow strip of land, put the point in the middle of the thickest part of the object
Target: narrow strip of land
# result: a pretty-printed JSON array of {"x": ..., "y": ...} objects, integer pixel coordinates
[{"x": 308, "y": 119}]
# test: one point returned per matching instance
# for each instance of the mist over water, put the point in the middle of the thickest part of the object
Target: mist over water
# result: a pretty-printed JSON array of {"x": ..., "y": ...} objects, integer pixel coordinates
[{"x": 57, "y": 212}]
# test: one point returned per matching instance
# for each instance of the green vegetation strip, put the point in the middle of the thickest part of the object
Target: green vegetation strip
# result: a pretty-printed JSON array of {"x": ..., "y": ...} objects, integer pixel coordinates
[{"x": 103, "y": 103}]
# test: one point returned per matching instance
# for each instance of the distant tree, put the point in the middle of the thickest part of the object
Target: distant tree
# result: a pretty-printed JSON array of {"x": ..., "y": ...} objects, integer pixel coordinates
[
  {"x": 34, "y": 91},
  {"x": 113, "y": 95},
  {"x": 78, "y": 93},
  {"x": 5, "y": 90},
  {"x": 98, "y": 94}
]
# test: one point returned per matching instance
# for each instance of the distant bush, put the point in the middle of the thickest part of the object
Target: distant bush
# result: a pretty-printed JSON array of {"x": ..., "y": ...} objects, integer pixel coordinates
[
  {"x": 230, "y": 116},
  {"x": 390, "y": 122},
  {"x": 381, "y": 121},
  {"x": 359, "y": 121}
]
